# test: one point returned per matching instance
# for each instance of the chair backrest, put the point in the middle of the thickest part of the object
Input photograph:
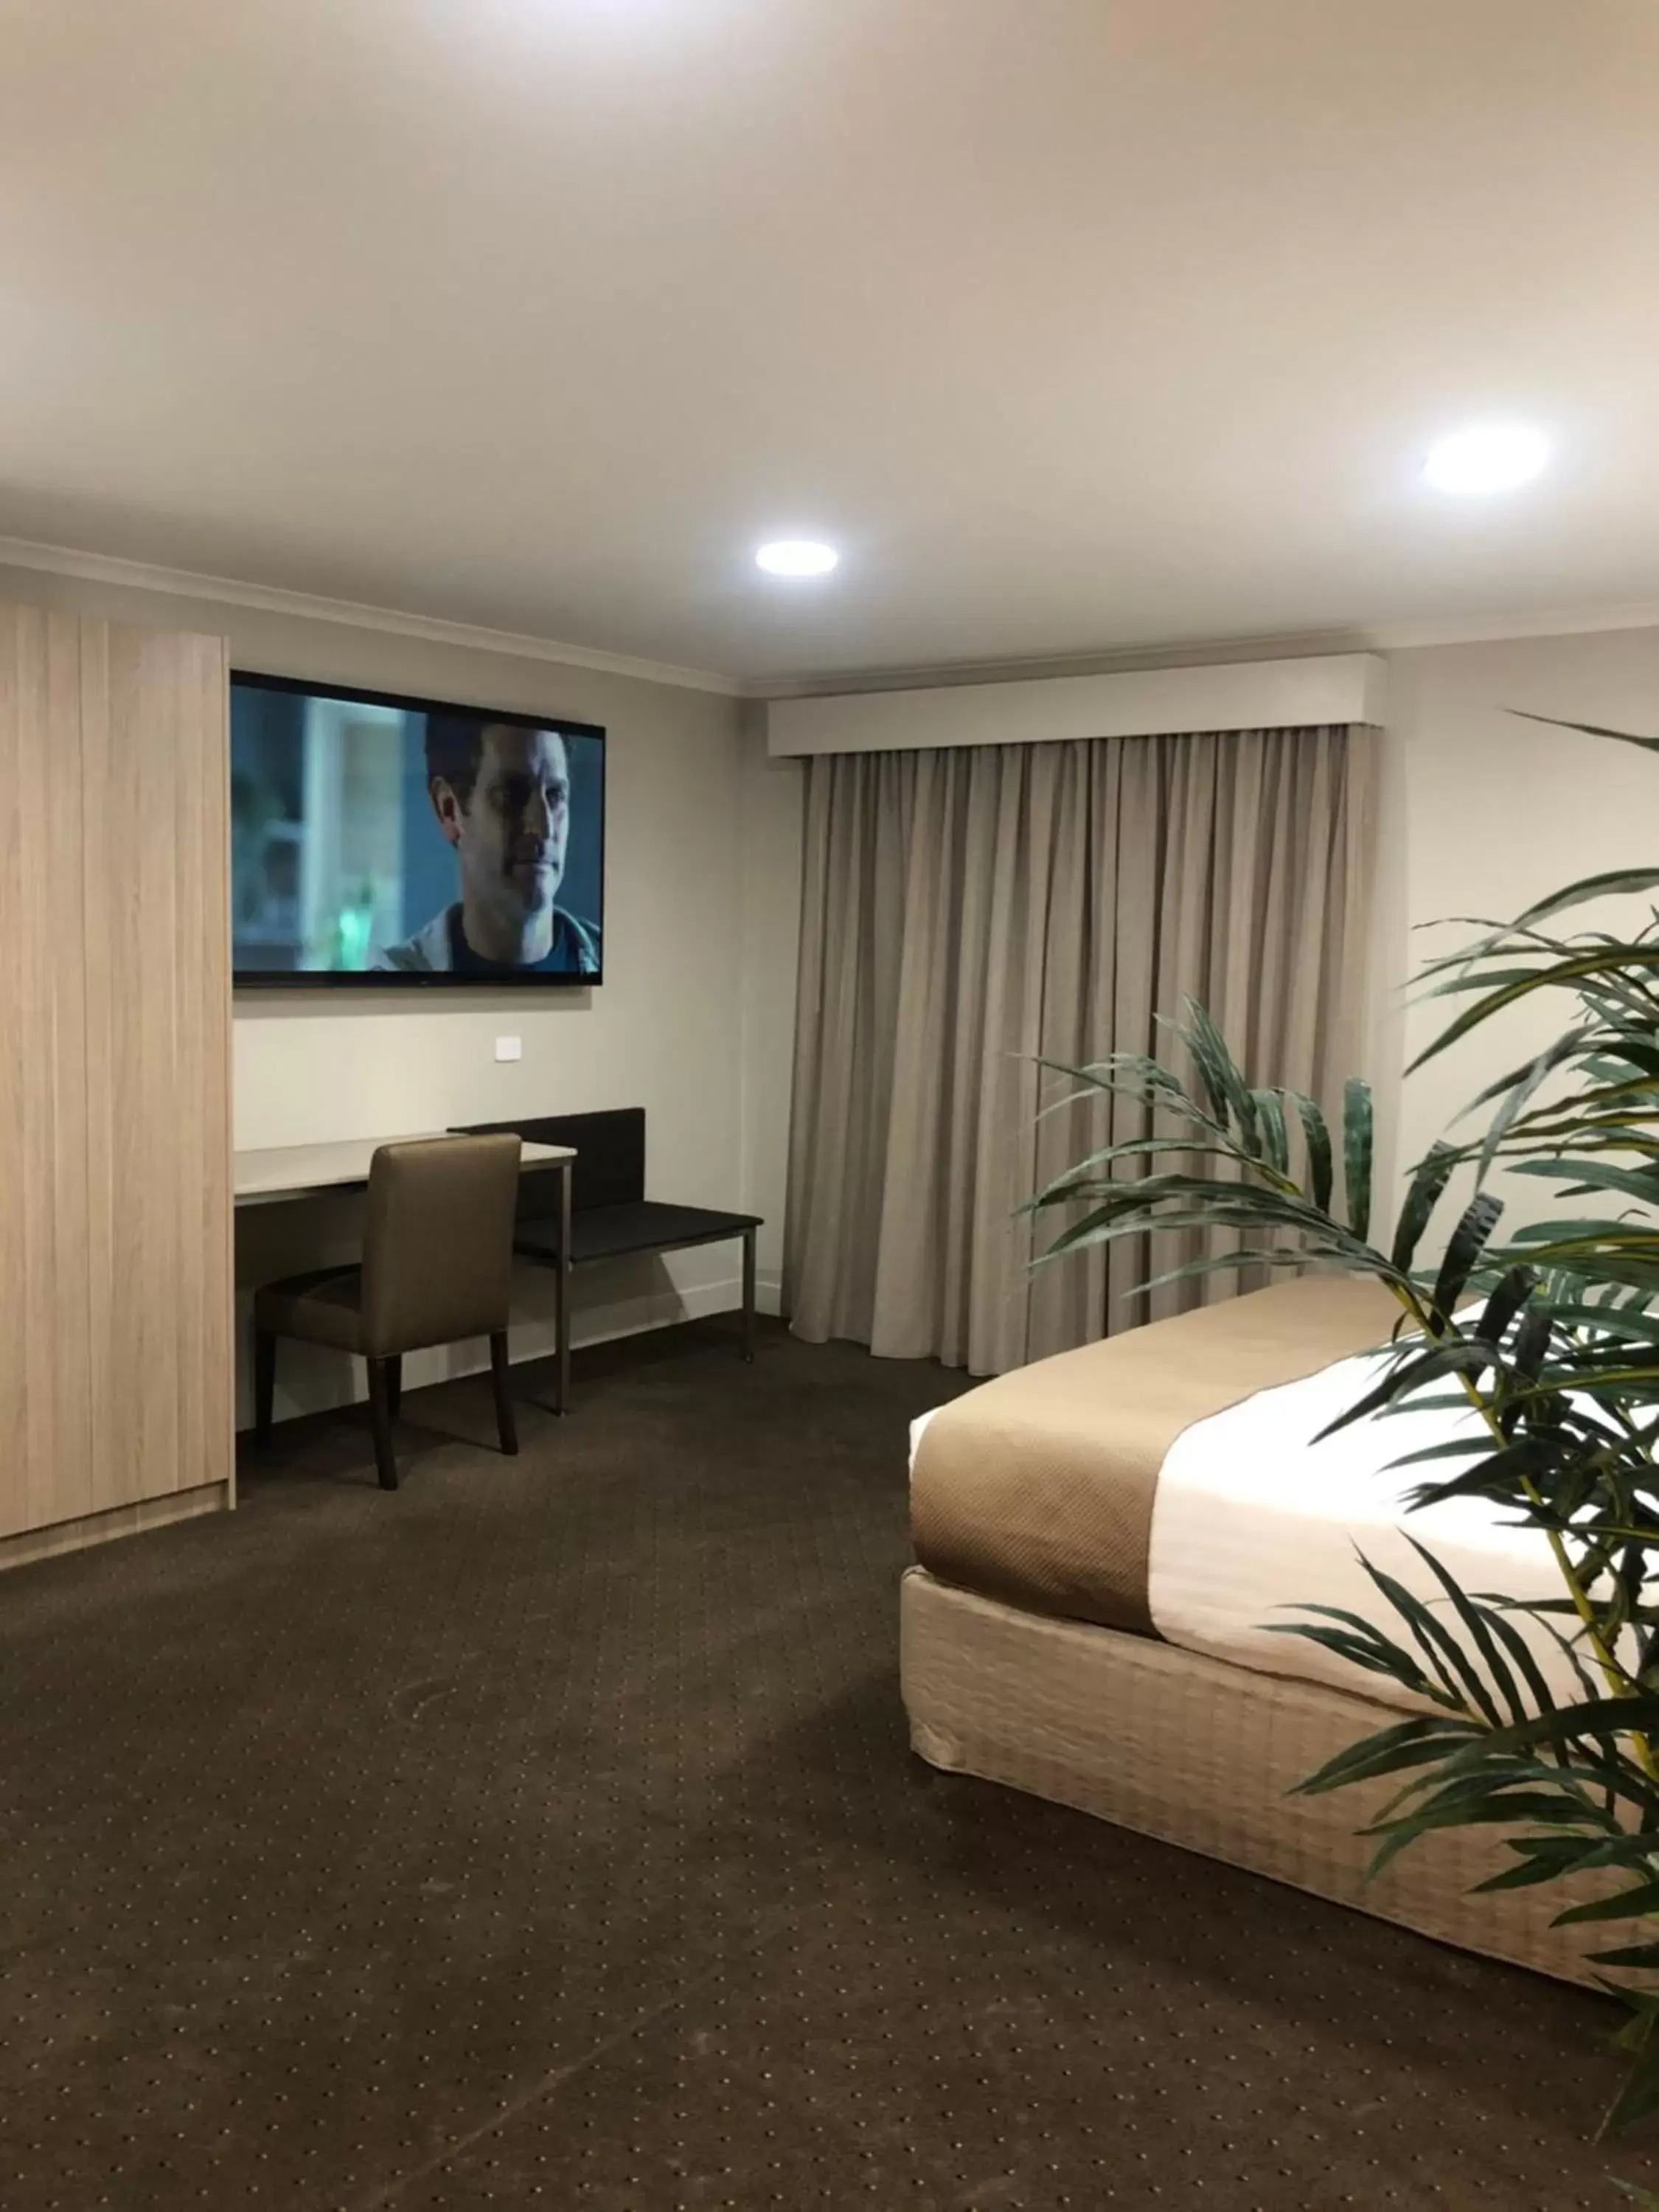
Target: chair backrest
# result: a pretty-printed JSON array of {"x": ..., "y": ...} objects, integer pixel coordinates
[
  {"x": 438, "y": 1241},
  {"x": 609, "y": 1165}
]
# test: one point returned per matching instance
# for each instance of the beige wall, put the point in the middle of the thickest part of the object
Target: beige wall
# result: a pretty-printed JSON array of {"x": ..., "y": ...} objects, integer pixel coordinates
[
  {"x": 1486, "y": 811},
  {"x": 693, "y": 1021},
  {"x": 1480, "y": 812}
]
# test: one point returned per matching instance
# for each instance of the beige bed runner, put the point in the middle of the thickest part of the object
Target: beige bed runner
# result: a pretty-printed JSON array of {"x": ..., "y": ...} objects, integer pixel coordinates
[{"x": 1037, "y": 1487}]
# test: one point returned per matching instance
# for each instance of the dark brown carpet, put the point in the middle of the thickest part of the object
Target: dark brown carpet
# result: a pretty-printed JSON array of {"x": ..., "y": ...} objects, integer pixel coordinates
[{"x": 546, "y": 1834}]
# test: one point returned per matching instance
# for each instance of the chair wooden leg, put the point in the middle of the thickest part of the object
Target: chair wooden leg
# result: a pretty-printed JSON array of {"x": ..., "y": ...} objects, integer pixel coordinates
[
  {"x": 499, "y": 1363},
  {"x": 265, "y": 1380},
  {"x": 394, "y": 1383},
  {"x": 379, "y": 1414},
  {"x": 749, "y": 1294}
]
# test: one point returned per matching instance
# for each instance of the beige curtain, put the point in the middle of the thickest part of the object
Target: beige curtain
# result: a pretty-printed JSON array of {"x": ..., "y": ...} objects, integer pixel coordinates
[{"x": 967, "y": 913}]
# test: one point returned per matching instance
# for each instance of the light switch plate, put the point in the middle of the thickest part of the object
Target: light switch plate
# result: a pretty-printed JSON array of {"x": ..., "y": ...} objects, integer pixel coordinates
[{"x": 509, "y": 1047}]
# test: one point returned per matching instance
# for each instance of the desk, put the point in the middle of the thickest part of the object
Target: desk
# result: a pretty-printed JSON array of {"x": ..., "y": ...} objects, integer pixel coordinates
[{"x": 315, "y": 1170}]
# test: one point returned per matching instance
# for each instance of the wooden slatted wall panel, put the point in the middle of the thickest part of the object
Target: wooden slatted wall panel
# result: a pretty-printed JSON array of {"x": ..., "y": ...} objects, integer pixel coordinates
[{"x": 116, "y": 1374}]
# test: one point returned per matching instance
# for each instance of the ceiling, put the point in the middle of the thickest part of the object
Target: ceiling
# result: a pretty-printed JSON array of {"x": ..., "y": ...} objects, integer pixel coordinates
[{"x": 1076, "y": 325}]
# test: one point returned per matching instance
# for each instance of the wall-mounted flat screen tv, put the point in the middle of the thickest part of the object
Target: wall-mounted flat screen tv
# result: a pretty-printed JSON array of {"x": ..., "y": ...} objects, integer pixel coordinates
[{"x": 388, "y": 841}]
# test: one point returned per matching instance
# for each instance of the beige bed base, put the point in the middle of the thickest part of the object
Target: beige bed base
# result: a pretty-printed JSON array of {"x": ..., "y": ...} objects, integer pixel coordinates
[{"x": 1199, "y": 1753}]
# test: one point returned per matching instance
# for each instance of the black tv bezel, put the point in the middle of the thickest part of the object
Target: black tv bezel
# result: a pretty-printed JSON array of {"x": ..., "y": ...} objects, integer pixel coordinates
[{"x": 403, "y": 979}]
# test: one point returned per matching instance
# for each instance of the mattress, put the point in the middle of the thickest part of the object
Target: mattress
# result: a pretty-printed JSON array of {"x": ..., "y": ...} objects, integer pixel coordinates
[
  {"x": 1202, "y": 1753},
  {"x": 1177, "y": 1482},
  {"x": 1038, "y": 1487}
]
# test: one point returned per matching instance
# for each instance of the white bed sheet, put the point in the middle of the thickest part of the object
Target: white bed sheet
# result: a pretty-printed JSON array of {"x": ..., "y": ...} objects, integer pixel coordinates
[
  {"x": 1252, "y": 1515},
  {"x": 918, "y": 1430}
]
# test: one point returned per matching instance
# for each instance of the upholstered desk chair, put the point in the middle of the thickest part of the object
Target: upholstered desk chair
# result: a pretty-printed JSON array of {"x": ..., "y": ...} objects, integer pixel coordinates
[{"x": 436, "y": 1267}]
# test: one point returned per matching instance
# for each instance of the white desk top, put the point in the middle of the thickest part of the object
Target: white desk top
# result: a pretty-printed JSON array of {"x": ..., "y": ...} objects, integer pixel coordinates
[{"x": 297, "y": 1170}]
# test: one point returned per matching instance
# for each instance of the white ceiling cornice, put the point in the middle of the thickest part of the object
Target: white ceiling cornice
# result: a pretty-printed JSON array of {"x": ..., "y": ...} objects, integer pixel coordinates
[
  {"x": 1395, "y": 637},
  {"x": 1385, "y": 637},
  {"x": 182, "y": 583}
]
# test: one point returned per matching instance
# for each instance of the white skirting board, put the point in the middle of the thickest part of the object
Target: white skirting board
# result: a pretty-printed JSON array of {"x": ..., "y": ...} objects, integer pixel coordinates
[{"x": 311, "y": 1380}]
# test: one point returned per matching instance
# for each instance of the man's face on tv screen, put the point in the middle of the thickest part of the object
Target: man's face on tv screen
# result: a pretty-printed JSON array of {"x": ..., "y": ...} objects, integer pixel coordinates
[{"x": 510, "y": 836}]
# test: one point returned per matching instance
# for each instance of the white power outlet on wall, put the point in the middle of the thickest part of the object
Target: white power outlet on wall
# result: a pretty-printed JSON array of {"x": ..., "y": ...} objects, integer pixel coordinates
[{"x": 509, "y": 1047}]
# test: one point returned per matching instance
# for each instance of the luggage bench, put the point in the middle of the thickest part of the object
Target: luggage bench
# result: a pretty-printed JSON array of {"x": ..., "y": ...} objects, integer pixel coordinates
[{"x": 599, "y": 1210}]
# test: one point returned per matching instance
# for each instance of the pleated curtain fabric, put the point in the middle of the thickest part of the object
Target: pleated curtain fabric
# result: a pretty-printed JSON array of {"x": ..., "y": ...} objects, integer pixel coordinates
[{"x": 967, "y": 913}]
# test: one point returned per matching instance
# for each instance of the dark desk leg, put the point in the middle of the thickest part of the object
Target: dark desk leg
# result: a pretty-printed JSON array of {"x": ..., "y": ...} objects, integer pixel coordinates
[
  {"x": 749, "y": 1294},
  {"x": 563, "y": 1391}
]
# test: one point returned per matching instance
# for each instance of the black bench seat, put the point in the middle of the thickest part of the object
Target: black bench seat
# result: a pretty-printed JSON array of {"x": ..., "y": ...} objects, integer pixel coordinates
[
  {"x": 611, "y": 1217},
  {"x": 609, "y": 1232}
]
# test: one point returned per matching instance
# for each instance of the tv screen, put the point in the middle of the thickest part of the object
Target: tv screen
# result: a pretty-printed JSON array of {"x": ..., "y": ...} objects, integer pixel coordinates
[{"x": 380, "y": 840}]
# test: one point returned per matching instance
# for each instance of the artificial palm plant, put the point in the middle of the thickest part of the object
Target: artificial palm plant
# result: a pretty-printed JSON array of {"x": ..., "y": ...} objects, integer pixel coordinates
[{"x": 1551, "y": 1334}]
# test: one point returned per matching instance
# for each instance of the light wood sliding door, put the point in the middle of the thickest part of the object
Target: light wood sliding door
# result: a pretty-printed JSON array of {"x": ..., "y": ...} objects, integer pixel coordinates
[{"x": 116, "y": 1405}]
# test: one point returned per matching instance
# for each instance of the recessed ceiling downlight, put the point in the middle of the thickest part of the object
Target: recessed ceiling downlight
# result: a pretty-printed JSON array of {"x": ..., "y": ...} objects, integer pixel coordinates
[
  {"x": 1491, "y": 457},
  {"x": 796, "y": 556}
]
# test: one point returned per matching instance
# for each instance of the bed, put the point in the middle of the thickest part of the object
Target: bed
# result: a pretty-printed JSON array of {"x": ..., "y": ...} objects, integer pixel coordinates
[{"x": 1101, "y": 1539}]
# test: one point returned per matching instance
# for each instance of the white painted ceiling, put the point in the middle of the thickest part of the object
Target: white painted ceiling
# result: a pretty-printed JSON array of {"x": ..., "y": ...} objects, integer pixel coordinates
[{"x": 1077, "y": 324}]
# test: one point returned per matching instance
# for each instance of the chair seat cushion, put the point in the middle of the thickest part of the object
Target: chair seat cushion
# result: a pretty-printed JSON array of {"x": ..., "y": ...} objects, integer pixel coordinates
[
  {"x": 323, "y": 1306},
  {"x": 607, "y": 1232}
]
